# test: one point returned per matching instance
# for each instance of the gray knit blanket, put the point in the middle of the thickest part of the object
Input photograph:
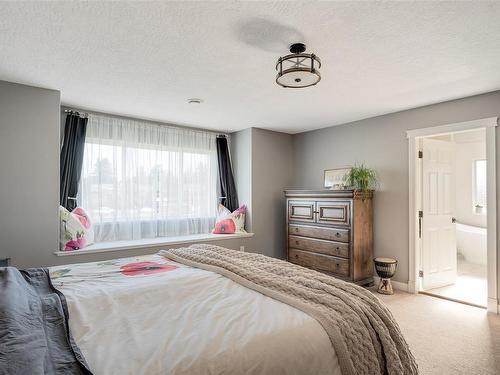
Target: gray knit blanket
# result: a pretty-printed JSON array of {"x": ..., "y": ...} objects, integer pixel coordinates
[{"x": 363, "y": 332}]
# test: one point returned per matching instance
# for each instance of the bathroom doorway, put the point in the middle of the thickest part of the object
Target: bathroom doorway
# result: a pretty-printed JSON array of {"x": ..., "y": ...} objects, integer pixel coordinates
[
  {"x": 454, "y": 225},
  {"x": 453, "y": 197}
]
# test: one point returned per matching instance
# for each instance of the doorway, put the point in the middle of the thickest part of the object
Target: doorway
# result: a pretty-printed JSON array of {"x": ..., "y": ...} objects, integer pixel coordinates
[
  {"x": 453, "y": 216},
  {"x": 453, "y": 196}
]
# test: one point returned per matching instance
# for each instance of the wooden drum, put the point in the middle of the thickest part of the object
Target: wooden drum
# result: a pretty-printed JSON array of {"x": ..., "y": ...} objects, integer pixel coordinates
[{"x": 386, "y": 268}]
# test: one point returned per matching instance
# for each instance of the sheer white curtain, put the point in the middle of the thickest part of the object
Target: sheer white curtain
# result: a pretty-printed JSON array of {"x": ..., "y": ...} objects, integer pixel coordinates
[{"x": 144, "y": 180}]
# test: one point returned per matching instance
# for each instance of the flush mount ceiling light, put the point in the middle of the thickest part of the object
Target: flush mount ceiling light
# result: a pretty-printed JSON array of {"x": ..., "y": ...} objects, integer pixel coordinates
[{"x": 298, "y": 69}]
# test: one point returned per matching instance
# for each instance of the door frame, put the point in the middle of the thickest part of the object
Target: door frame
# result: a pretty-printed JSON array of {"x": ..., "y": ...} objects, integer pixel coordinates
[{"x": 414, "y": 136}]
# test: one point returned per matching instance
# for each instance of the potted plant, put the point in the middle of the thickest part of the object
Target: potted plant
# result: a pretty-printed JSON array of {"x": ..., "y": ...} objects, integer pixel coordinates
[{"x": 361, "y": 178}]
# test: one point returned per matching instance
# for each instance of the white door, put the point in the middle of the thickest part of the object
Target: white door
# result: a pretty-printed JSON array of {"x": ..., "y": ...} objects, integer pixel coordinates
[{"x": 439, "y": 250}]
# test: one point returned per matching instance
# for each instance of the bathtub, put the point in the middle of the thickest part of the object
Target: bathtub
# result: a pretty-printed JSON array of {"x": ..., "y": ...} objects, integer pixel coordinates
[{"x": 471, "y": 243}]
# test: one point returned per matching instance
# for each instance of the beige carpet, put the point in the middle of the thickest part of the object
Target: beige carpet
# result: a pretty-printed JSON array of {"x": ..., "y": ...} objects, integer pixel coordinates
[{"x": 447, "y": 337}]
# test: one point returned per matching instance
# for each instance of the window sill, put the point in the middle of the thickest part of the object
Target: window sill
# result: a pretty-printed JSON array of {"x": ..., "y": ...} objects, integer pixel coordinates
[{"x": 104, "y": 247}]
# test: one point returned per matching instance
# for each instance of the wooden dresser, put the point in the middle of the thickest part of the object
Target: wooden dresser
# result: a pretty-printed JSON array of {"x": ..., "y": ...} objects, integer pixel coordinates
[{"x": 331, "y": 231}]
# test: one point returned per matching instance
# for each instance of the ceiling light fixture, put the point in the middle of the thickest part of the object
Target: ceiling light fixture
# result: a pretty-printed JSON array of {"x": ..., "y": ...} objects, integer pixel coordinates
[
  {"x": 298, "y": 69},
  {"x": 195, "y": 101}
]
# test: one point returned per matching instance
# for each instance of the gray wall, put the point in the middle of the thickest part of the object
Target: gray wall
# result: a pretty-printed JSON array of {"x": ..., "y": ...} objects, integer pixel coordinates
[
  {"x": 381, "y": 143},
  {"x": 29, "y": 170},
  {"x": 241, "y": 158},
  {"x": 30, "y": 126},
  {"x": 263, "y": 169},
  {"x": 265, "y": 163},
  {"x": 271, "y": 174}
]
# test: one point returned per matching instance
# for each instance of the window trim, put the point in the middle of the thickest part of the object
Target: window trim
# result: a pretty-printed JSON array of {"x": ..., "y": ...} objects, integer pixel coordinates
[
  {"x": 105, "y": 247},
  {"x": 474, "y": 188}
]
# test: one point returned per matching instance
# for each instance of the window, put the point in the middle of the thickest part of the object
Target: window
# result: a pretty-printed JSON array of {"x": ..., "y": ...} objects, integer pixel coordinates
[
  {"x": 143, "y": 180},
  {"x": 479, "y": 194}
]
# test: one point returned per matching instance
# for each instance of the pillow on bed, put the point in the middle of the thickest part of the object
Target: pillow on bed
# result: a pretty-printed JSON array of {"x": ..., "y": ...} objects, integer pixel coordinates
[
  {"x": 228, "y": 223},
  {"x": 76, "y": 230}
]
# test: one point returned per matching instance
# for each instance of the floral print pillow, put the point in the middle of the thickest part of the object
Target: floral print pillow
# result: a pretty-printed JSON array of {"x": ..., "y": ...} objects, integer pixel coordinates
[
  {"x": 228, "y": 222},
  {"x": 75, "y": 229}
]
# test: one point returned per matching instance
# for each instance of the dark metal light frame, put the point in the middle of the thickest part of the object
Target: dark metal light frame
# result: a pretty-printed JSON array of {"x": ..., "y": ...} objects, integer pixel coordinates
[{"x": 299, "y": 62}]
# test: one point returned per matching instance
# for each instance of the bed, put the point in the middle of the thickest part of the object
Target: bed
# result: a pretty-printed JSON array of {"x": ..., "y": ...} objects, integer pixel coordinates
[
  {"x": 173, "y": 313},
  {"x": 156, "y": 316}
]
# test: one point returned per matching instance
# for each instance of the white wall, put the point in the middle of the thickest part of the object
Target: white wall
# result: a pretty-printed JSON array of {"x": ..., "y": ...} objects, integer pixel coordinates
[
  {"x": 469, "y": 147},
  {"x": 466, "y": 154}
]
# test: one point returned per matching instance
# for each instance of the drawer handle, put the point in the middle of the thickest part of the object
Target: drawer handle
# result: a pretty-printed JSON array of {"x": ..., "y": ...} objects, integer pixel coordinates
[
  {"x": 296, "y": 242},
  {"x": 337, "y": 234},
  {"x": 296, "y": 256},
  {"x": 296, "y": 229},
  {"x": 337, "y": 248}
]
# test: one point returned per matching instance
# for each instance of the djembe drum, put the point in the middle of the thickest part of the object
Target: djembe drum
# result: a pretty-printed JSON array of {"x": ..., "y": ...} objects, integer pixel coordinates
[{"x": 386, "y": 268}]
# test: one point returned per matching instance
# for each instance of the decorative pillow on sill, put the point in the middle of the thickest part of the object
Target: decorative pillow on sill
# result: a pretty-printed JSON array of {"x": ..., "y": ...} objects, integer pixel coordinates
[
  {"x": 229, "y": 223},
  {"x": 75, "y": 229}
]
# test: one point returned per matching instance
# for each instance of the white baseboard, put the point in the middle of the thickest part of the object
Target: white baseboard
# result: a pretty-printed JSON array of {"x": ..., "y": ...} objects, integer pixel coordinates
[
  {"x": 412, "y": 287},
  {"x": 493, "y": 306},
  {"x": 398, "y": 285}
]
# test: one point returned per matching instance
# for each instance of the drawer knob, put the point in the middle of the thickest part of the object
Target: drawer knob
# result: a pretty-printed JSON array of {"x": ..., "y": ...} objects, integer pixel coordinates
[
  {"x": 296, "y": 229},
  {"x": 337, "y": 234},
  {"x": 296, "y": 242},
  {"x": 337, "y": 248}
]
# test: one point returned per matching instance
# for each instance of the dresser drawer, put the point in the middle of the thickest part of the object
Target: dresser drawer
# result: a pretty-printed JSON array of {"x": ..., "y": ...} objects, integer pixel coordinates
[
  {"x": 301, "y": 211},
  {"x": 333, "y": 212},
  {"x": 340, "y": 249},
  {"x": 319, "y": 262},
  {"x": 332, "y": 234}
]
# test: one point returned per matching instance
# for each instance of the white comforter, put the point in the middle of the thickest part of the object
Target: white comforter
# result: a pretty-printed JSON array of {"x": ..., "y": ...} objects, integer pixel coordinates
[{"x": 149, "y": 315}]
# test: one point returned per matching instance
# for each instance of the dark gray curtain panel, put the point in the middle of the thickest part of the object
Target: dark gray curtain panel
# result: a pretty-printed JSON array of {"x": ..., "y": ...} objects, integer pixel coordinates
[
  {"x": 226, "y": 179},
  {"x": 72, "y": 158}
]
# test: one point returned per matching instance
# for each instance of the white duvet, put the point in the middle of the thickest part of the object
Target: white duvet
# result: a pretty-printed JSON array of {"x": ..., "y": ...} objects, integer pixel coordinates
[{"x": 149, "y": 315}]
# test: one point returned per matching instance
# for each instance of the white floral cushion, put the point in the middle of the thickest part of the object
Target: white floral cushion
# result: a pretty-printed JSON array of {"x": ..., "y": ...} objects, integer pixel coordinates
[
  {"x": 75, "y": 229},
  {"x": 230, "y": 222}
]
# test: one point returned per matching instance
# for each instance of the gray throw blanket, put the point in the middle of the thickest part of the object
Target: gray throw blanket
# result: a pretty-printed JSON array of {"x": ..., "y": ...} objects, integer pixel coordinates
[
  {"x": 363, "y": 332},
  {"x": 34, "y": 333}
]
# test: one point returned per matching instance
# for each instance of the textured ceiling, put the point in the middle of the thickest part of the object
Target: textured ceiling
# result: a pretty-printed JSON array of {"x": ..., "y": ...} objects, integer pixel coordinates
[{"x": 146, "y": 59}]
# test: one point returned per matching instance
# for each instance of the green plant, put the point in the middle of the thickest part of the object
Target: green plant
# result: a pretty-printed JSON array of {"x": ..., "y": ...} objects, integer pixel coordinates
[{"x": 361, "y": 178}]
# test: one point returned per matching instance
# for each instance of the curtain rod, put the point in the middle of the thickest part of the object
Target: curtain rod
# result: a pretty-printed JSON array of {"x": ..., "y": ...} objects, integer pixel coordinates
[
  {"x": 81, "y": 114},
  {"x": 86, "y": 114}
]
